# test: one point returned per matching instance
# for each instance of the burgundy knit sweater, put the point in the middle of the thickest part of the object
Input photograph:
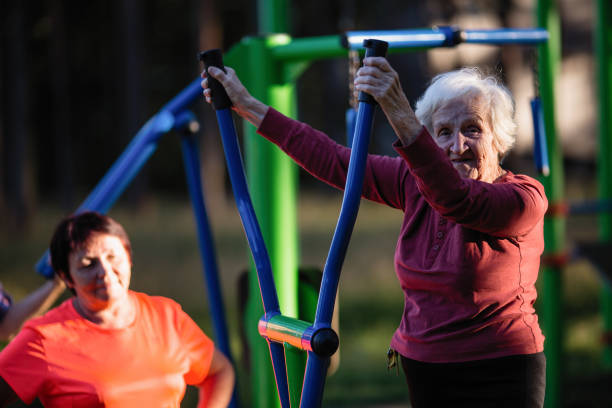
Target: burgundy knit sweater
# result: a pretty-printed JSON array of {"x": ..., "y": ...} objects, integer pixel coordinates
[{"x": 468, "y": 252}]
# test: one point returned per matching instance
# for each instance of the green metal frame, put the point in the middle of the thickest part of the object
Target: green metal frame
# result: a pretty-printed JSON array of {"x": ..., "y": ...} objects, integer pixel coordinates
[
  {"x": 603, "y": 47},
  {"x": 555, "y": 224}
]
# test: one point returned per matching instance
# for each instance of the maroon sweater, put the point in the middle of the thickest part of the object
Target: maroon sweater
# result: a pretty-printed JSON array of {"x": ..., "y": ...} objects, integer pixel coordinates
[{"x": 468, "y": 252}]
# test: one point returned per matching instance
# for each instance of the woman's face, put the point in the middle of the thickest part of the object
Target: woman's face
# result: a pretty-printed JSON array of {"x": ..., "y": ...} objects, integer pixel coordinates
[
  {"x": 100, "y": 272},
  {"x": 461, "y": 128}
]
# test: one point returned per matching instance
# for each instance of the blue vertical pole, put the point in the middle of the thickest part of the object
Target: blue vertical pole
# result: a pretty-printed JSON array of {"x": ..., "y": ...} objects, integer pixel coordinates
[
  {"x": 205, "y": 241},
  {"x": 316, "y": 367},
  {"x": 222, "y": 104}
]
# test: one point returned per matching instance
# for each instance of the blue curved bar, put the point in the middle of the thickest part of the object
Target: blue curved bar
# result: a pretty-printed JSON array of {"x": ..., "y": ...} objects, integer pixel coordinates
[
  {"x": 316, "y": 367},
  {"x": 121, "y": 173},
  {"x": 261, "y": 258},
  {"x": 347, "y": 217},
  {"x": 205, "y": 240}
]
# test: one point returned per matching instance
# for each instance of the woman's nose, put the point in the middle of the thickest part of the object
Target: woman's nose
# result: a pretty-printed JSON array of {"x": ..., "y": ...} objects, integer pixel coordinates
[
  {"x": 104, "y": 268},
  {"x": 458, "y": 145}
]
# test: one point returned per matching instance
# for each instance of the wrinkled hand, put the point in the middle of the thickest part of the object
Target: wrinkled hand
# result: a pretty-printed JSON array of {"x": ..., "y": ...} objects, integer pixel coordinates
[
  {"x": 243, "y": 102},
  {"x": 377, "y": 78}
]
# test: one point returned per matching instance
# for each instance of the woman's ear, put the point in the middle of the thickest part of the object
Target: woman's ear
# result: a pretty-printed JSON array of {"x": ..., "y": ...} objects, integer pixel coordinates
[{"x": 67, "y": 281}]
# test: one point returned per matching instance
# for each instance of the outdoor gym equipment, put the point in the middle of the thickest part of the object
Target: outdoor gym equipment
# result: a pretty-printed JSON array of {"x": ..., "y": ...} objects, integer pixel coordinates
[{"x": 318, "y": 339}]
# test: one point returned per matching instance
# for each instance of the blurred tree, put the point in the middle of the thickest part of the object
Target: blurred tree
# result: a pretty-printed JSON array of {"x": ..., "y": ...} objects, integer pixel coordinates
[
  {"x": 209, "y": 34},
  {"x": 130, "y": 48},
  {"x": 61, "y": 106},
  {"x": 14, "y": 150}
]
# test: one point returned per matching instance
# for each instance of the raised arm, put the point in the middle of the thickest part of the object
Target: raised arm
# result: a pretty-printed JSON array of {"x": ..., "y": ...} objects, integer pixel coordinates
[
  {"x": 377, "y": 78},
  {"x": 36, "y": 302},
  {"x": 216, "y": 390}
]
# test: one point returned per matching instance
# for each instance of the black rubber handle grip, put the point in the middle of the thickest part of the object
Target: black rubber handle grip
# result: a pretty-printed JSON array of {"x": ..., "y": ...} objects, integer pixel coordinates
[
  {"x": 374, "y": 48},
  {"x": 214, "y": 58}
]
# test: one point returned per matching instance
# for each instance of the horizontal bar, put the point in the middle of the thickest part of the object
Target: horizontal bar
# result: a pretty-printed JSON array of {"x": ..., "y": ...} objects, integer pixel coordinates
[
  {"x": 300, "y": 334},
  {"x": 447, "y": 36},
  {"x": 310, "y": 48},
  {"x": 429, "y": 37},
  {"x": 525, "y": 36},
  {"x": 284, "y": 329}
]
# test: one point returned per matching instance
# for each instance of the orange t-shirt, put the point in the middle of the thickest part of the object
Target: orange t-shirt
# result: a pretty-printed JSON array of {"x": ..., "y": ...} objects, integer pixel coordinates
[{"x": 66, "y": 360}]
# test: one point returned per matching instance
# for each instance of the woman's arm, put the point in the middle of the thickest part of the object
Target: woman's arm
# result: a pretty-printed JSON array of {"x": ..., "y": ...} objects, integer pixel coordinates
[
  {"x": 243, "y": 102},
  {"x": 36, "y": 302},
  {"x": 377, "y": 78},
  {"x": 216, "y": 390}
]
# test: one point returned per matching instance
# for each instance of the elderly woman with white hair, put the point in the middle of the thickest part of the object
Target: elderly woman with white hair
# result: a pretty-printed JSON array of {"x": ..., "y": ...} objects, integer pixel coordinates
[{"x": 469, "y": 248}]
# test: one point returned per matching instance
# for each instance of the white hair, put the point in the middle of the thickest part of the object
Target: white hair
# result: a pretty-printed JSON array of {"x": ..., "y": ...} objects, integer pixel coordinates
[{"x": 470, "y": 82}]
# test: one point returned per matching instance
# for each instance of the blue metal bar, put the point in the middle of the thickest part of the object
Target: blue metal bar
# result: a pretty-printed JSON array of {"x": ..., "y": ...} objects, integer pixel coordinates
[
  {"x": 261, "y": 258},
  {"x": 121, "y": 173},
  {"x": 426, "y": 37},
  {"x": 125, "y": 168},
  {"x": 540, "y": 150},
  {"x": 316, "y": 367},
  {"x": 247, "y": 212},
  {"x": 205, "y": 241},
  {"x": 314, "y": 380},
  {"x": 186, "y": 97},
  {"x": 524, "y": 36},
  {"x": 447, "y": 36},
  {"x": 347, "y": 217}
]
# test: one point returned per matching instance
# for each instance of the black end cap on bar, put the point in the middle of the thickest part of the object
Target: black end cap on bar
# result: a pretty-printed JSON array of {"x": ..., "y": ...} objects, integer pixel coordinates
[
  {"x": 214, "y": 58},
  {"x": 324, "y": 342},
  {"x": 374, "y": 48},
  {"x": 452, "y": 35}
]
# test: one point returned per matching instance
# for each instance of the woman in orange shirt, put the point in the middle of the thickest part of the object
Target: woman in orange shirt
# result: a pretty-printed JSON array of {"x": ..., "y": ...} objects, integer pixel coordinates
[{"x": 109, "y": 346}]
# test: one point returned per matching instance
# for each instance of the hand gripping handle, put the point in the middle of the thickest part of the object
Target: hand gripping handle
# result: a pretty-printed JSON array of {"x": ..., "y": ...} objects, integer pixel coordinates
[
  {"x": 214, "y": 58},
  {"x": 374, "y": 48}
]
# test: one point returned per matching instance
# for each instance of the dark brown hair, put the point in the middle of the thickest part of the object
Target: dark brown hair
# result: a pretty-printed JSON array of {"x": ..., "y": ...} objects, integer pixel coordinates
[{"x": 74, "y": 231}]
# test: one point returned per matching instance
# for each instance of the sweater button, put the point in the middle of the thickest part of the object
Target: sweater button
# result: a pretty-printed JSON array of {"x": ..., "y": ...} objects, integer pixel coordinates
[
  {"x": 440, "y": 234},
  {"x": 436, "y": 247}
]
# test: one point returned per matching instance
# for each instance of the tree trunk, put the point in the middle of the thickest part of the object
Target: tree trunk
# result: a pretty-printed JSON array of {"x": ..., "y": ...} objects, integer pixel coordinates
[
  {"x": 130, "y": 45},
  {"x": 209, "y": 34},
  {"x": 61, "y": 106},
  {"x": 14, "y": 161}
]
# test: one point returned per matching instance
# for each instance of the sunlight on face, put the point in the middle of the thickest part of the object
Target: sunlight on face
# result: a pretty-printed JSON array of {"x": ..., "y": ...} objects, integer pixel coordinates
[
  {"x": 101, "y": 272},
  {"x": 461, "y": 127}
]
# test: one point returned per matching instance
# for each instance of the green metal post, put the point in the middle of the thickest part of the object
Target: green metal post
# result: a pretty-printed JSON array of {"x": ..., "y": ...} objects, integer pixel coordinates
[
  {"x": 284, "y": 240},
  {"x": 272, "y": 179},
  {"x": 254, "y": 66},
  {"x": 554, "y": 225},
  {"x": 603, "y": 47}
]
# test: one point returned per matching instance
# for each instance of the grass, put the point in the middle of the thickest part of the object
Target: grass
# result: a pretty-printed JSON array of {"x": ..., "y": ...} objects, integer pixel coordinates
[{"x": 166, "y": 262}]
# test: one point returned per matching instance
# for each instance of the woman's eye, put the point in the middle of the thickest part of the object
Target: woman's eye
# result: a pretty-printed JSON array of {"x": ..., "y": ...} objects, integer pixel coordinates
[
  {"x": 443, "y": 133},
  {"x": 473, "y": 129},
  {"x": 87, "y": 263}
]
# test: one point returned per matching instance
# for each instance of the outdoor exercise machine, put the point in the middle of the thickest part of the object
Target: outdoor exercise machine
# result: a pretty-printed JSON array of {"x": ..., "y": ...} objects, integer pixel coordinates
[
  {"x": 318, "y": 339},
  {"x": 269, "y": 66}
]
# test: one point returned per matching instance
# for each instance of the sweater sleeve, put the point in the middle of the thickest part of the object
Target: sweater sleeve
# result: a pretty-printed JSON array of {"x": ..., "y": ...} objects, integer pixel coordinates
[
  {"x": 385, "y": 177},
  {"x": 509, "y": 207}
]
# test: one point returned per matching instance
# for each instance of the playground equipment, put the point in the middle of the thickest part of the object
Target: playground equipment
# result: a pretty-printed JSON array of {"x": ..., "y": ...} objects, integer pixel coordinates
[
  {"x": 274, "y": 62},
  {"x": 318, "y": 339}
]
